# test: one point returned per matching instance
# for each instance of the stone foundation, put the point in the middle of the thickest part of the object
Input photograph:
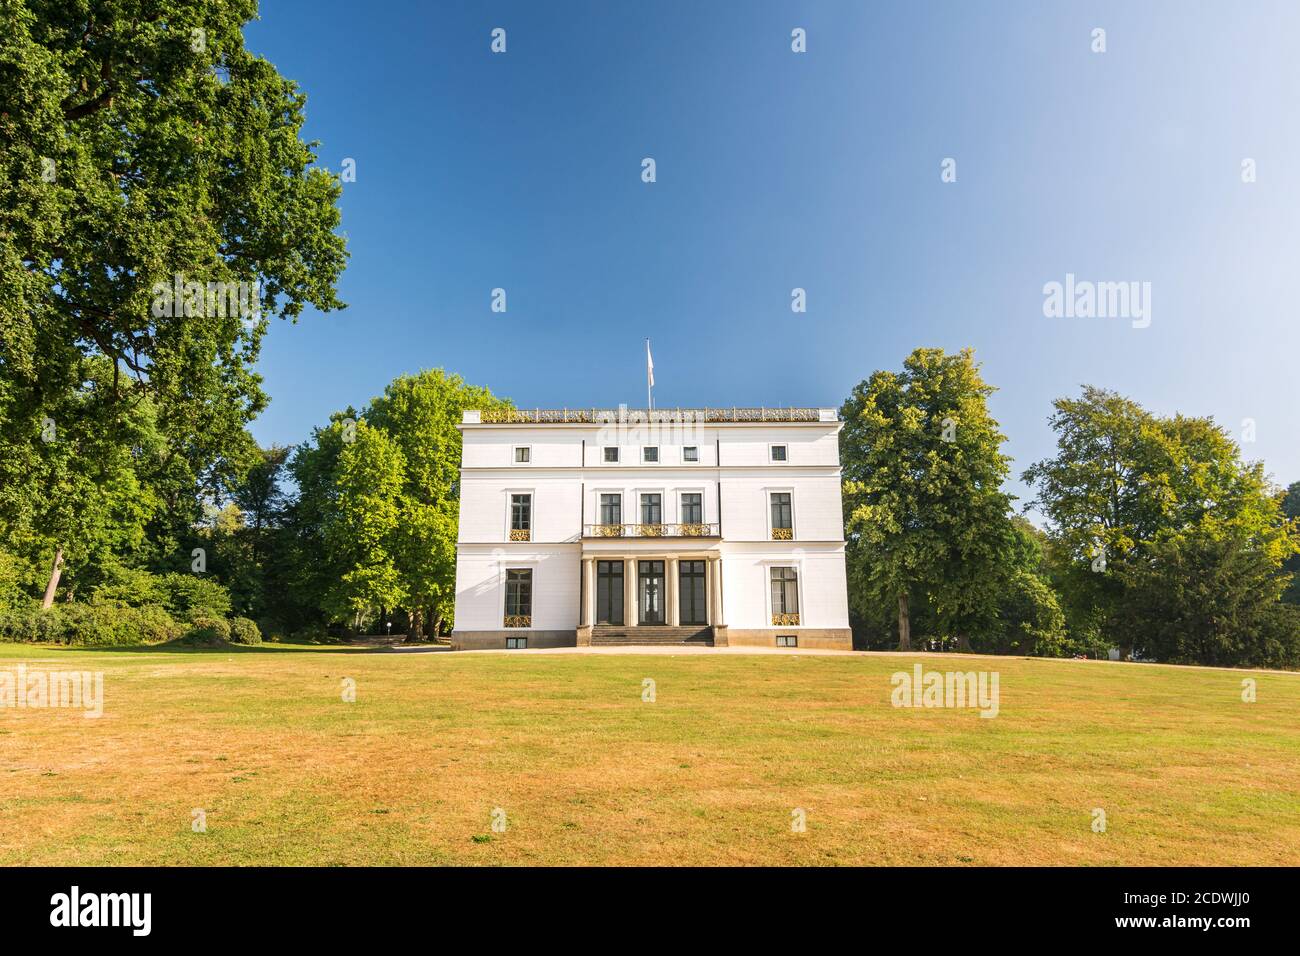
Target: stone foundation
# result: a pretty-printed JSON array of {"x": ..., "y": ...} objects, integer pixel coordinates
[
  {"x": 494, "y": 640},
  {"x": 821, "y": 638}
]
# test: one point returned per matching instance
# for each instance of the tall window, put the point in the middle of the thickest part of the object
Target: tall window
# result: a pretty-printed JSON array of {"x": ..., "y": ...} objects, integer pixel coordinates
[
  {"x": 609, "y": 592},
  {"x": 785, "y": 596},
  {"x": 691, "y": 592},
  {"x": 652, "y": 509},
  {"x": 519, "y": 597},
  {"x": 611, "y": 509},
  {"x": 521, "y": 517},
  {"x": 782, "y": 524},
  {"x": 692, "y": 508}
]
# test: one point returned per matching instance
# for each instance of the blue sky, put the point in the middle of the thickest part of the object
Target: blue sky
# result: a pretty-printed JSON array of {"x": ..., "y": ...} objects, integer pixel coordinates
[{"x": 820, "y": 170}]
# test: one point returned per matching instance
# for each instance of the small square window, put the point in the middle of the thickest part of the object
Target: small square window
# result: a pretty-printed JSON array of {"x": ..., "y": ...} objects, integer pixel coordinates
[
  {"x": 516, "y": 643},
  {"x": 691, "y": 453},
  {"x": 523, "y": 454},
  {"x": 650, "y": 453},
  {"x": 778, "y": 453},
  {"x": 787, "y": 640},
  {"x": 611, "y": 454}
]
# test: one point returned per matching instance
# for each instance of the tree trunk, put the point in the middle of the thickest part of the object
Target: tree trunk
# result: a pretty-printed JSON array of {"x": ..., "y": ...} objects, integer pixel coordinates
[
  {"x": 904, "y": 624},
  {"x": 963, "y": 644},
  {"x": 56, "y": 571},
  {"x": 414, "y": 624}
]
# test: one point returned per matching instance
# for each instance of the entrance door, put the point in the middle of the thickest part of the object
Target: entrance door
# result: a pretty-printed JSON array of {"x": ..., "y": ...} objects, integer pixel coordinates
[
  {"x": 650, "y": 591},
  {"x": 609, "y": 592},
  {"x": 691, "y": 592}
]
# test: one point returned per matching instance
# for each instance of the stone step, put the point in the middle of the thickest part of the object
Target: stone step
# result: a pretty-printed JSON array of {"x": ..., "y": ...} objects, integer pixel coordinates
[{"x": 611, "y": 635}]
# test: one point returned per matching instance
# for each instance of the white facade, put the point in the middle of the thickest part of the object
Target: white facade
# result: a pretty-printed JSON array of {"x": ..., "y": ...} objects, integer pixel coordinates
[{"x": 560, "y": 498}]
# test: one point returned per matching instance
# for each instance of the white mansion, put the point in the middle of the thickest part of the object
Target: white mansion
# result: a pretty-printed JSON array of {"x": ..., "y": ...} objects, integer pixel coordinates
[{"x": 715, "y": 526}]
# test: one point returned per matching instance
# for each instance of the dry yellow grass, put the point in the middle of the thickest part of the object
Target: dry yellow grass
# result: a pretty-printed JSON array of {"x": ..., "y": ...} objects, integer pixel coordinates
[{"x": 588, "y": 773}]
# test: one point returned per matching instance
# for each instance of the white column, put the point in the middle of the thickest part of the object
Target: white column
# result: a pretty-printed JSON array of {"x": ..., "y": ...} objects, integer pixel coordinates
[
  {"x": 673, "y": 614},
  {"x": 588, "y": 616},
  {"x": 715, "y": 590},
  {"x": 629, "y": 592}
]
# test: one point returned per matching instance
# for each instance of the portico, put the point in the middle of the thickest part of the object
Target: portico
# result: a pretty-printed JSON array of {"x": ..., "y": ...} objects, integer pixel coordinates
[{"x": 651, "y": 591}]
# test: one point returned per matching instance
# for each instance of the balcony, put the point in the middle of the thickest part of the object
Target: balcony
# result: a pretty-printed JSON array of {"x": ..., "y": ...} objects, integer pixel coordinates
[
  {"x": 520, "y": 534},
  {"x": 657, "y": 530},
  {"x": 519, "y": 620},
  {"x": 782, "y": 534},
  {"x": 785, "y": 620}
]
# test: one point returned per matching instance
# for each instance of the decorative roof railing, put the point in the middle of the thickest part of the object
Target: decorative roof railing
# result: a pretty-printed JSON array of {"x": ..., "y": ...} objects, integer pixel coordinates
[{"x": 599, "y": 416}]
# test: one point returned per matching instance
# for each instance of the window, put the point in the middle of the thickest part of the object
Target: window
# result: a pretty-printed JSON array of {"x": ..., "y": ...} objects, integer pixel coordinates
[
  {"x": 778, "y": 453},
  {"x": 609, "y": 592},
  {"x": 690, "y": 592},
  {"x": 611, "y": 454},
  {"x": 523, "y": 454},
  {"x": 785, "y": 597},
  {"x": 690, "y": 453},
  {"x": 611, "y": 509},
  {"x": 782, "y": 515},
  {"x": 692, "y": 507},
  {"x": 521, "y": 517},
  {"x": 787, "y": 640},
  {"x": 516, "y": 643},
  {"x": 650, "y": 592},
  {"x": 652, "y": 510},
  {"x": 519, "y": 597},
  {"x": 650, "y": 454}
]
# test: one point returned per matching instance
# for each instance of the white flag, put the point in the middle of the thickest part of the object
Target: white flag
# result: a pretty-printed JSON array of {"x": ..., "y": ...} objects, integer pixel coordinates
[{"x": 649, "y": 365}]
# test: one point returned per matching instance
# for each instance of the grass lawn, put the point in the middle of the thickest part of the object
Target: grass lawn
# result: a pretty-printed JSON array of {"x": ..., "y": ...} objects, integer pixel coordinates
[{"x": 588, "y": 773}]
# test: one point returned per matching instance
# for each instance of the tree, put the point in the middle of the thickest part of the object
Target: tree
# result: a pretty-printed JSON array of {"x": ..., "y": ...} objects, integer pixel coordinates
[
  {"x": 1291, "y": 508},
  {"x": 362, "y": 532},
  {"x": 1209, "y": 595},
  {"x": 924, "y": 510},
  {"x": 1121, "y": 490},
  {"x": 421, "y": 413},
  {"x": 157, "y": 208}
]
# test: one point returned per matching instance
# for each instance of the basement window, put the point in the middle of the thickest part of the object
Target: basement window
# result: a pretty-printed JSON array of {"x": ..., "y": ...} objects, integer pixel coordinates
[
  {"x": 787, "y": 640},
  {"x": 516, "y": 643}
]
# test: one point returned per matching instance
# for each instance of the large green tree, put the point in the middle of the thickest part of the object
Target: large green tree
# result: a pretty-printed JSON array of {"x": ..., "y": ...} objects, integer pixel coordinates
[
  {"x": 1131, "y": 497},
  {"x": 925, "y": 513},
  {"x": 145, "y": 151},
  {"x": 421, "y": 413}
]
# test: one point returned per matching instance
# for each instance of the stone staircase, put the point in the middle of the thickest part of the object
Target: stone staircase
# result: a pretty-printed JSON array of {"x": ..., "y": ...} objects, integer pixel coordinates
[{"x": 604, "y": 635}]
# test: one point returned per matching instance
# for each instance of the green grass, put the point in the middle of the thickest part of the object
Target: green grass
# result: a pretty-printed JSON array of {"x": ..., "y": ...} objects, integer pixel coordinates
[{"x": 288, "y": 773}]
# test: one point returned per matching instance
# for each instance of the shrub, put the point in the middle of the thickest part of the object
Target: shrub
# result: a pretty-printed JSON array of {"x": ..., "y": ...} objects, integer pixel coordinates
[
  {"x": 191, "y": 596},
  {"x": 206, "y": 630},
  {"x": 89, "y": 625},
  {"x": 244, "y": 631}
]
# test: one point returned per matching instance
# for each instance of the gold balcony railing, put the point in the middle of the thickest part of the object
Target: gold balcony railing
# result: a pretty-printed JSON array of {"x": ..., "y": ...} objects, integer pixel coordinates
[
  {"x": 692, "y": 529},
  {"x": 785, "y": 620},
  {"x": 783, "y": 534},
  {"x": 519, "y": 620},
  {"x": 600, "y": 416},
  {"x": 520, "y": 534}
]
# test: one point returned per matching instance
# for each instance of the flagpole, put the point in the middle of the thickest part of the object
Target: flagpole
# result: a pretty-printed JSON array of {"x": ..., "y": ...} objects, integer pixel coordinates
[{"x": 649, "y": 378}]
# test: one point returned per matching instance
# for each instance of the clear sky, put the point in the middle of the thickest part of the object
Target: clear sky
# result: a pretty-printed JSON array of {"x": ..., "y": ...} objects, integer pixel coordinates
[{"x": 819, "y": 170}]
